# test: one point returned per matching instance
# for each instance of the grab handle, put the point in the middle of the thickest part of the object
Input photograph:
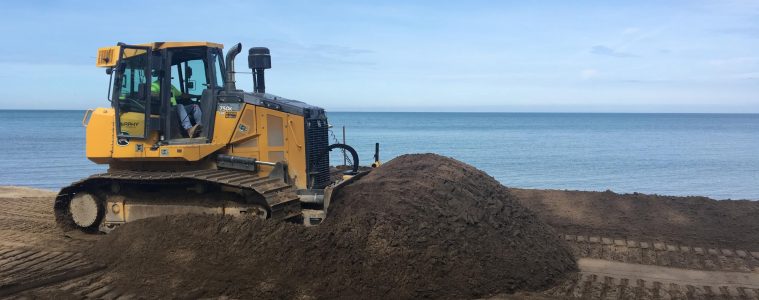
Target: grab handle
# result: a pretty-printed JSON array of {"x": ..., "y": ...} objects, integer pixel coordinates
[
  {"x": 295, "y": 139},
  {"x": 86, "y": 119}
]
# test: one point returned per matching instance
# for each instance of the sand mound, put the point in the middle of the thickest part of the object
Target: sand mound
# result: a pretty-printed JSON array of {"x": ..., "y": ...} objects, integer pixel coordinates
[{"x": 419, "y": 226}]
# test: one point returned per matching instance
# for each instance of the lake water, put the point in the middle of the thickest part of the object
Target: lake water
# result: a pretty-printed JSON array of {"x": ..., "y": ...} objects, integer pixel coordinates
[{"x": 715, "y": 155}]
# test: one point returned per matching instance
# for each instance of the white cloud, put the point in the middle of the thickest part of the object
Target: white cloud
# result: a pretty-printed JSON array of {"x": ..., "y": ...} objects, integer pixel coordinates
[
  {"x": 630, "y": 30},
  {"x": 603, "y": 50},
  {"x": 746, "y": 76},
  {"x": 734, "y": 61},
  {"x": 588, "y": 73}
]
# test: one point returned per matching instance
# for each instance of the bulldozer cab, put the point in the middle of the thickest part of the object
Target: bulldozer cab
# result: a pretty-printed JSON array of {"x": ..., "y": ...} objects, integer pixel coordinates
[{"x": 165, "y": 90}]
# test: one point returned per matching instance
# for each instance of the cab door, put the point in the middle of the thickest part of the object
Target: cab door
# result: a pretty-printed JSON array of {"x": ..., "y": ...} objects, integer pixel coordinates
[
  {"x": 191, "y": 72},
  {"x": 131, "y": 92}
]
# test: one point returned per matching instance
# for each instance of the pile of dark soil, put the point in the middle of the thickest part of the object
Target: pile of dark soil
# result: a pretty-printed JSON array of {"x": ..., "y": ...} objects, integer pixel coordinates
[
  {"x": 698, "y": 221},
  {"x": 420, "y": 226}
]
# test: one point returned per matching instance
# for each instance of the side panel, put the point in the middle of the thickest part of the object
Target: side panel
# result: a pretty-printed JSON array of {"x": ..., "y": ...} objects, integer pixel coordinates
[
  {"x": 227, "y": 117},
  {"x": 244, "y": 141},
  {"x": 296, "y": 149},
  {"x": 133, "y": 123},
  {"x": 101, "y": 134},
  {"x": 282, "y": 139},
  {"x": 133, "y": 147},
  {"x": 246, "y": 127}
]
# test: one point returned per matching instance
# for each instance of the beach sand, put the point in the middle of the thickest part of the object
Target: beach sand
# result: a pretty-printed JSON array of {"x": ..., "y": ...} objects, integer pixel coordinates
[{"x": 631, "y": 246}]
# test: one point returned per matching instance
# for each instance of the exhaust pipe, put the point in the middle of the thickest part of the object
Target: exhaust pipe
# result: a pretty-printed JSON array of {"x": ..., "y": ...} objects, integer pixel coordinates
[
  {"x": 259, "y": 60},
  {"x": 229, "y": 83}
]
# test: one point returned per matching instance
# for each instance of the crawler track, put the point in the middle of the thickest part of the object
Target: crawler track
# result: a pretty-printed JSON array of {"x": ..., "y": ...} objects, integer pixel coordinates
[{"x": 278, "y": 195}]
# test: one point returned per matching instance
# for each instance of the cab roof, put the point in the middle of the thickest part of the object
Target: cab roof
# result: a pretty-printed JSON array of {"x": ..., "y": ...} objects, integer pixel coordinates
[
  {"x": 108, "y": 56},
  {"x": 165, "y": 45}
]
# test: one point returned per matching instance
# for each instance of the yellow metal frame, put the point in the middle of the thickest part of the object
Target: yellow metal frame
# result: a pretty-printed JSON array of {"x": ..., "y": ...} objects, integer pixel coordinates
[
  {"x": 109, "y": 56},
  {"x": 166, "y": 45}
]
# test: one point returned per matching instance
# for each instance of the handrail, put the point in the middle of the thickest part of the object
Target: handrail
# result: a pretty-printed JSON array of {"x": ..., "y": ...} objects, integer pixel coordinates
[{"x": 295, "y": 139}]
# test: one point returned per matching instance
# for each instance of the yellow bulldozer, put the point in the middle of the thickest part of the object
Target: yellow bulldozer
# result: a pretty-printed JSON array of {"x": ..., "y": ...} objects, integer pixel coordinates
[{"x": 180, "y": 138}]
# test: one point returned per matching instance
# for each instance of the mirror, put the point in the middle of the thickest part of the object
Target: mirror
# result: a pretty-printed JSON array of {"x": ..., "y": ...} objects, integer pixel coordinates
[{"x": 191, "y": 84}]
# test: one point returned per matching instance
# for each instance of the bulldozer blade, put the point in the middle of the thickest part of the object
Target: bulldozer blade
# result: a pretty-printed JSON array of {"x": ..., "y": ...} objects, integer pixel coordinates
[{"x": 333, "y": 190}]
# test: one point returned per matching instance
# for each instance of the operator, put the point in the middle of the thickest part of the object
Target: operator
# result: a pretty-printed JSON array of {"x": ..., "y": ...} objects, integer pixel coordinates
[{"x": 192, "y": 130}]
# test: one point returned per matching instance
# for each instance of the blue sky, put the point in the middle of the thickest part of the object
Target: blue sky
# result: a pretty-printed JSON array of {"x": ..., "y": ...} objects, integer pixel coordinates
[{"x": 554, "y": 56}]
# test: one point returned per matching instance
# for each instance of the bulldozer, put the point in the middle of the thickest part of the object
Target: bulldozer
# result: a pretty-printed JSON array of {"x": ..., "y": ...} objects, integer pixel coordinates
[{"x": 249, "y": 154}]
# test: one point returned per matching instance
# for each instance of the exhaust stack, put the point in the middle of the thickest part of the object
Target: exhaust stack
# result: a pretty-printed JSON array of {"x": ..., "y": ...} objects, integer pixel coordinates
[
  {"x": 229, "y": 82},
  {"x": 259, "y": 59}
]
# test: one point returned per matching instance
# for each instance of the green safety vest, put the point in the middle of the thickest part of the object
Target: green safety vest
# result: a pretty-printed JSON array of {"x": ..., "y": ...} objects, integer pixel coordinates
[{"x": 155, "y": 89}]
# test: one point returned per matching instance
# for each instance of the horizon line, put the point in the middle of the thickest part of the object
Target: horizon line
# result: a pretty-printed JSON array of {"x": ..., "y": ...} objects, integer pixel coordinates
[{"x": 474, "y": 112}]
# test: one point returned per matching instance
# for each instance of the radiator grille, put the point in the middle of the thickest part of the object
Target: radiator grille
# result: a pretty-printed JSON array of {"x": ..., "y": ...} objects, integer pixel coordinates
[{"x": 317, "y": 141}]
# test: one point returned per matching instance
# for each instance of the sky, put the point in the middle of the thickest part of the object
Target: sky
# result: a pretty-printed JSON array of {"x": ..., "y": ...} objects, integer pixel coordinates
[{"x": 510, "y": 56}]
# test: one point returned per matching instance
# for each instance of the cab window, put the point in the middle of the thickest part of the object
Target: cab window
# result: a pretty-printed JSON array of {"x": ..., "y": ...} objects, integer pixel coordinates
[
  {"x": 132, "y": 84},
  {"x": 132, "y": 91},
  {"x": 176, "y": 80},
  {"x": 188, "y": 70},
  {"x": 195, "y": 72},
  {"x": 217, "y": 62}
]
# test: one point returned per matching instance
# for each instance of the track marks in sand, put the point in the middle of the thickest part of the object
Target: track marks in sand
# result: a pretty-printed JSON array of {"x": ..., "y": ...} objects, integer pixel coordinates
[
  {"x": 593, "y": 285},
  {"x": 613, "y": 268},
  {"x": 29, "y": 222},
  {"x": 23, "y": 269},
  {"x": 664, "y": 254}
]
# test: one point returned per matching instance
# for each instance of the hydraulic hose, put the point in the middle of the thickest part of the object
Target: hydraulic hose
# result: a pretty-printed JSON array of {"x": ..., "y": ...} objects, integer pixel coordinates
[{"x": 345, "y": 147}]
